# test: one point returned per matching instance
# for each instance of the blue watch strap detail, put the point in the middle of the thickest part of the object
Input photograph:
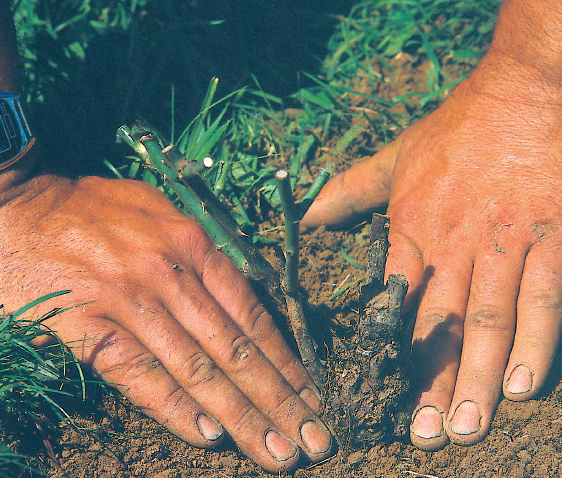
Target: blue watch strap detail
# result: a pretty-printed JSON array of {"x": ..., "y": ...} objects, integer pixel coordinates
[{"x": 16, "y": 137}]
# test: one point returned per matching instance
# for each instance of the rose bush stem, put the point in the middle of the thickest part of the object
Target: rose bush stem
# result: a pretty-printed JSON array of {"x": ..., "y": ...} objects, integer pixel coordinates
[
  {"x": 293, "y": 214},
  {"x": 202, "y": 204}
]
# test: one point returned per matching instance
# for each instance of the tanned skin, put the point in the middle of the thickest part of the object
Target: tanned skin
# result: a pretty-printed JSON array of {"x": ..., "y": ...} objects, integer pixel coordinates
[
  {"x": 166, "y": 316},
  {"x": 476, "y": 227},
  {"x": 473, "y": 193}
]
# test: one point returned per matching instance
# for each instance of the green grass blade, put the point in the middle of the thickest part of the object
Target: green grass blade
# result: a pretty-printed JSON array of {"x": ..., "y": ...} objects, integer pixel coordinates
[{"x": 38, "y": 301}]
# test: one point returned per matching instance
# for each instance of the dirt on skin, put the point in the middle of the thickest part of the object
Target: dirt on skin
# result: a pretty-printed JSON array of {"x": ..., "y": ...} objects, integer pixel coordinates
[
  {"x": 112, "y": 439},
  {"x": 115, "y": 440}
]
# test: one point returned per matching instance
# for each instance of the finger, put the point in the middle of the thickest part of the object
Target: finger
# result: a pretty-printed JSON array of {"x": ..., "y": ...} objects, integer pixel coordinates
[
  {"x": 234, "y": 294},
  {"x": 437, "y": 343},
  {"x": 488, "y": 335},
  {"x": 242, "y": 362},
  {"x": 405, "y": 258},
  {"x": 539, "y": 313},
  {"x": 360, "y": 189},
  {"x": 201, "y": 376},
  {"x": 121, "y": 360}
]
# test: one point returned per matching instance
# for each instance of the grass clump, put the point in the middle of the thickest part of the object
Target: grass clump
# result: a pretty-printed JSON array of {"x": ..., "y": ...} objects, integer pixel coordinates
[
  {"x": 54, "y": 36},
  {"x": 434, "y": 30},
  {"x": 445, "y": 38},
  {"x": 31, "y": 379}
]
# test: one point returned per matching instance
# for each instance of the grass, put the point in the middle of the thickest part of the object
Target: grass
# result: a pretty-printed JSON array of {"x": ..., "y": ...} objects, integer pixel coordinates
[
  {"x": 250, "y": 133},
  {"x": 32, "y": 378},
  {"x": 254, "y": 135}
]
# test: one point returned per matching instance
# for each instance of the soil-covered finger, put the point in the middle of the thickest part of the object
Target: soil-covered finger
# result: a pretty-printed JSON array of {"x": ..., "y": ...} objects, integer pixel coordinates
[
  {"x": 201, "y": 380},
  {"x": 118, "y": 358},
  {"x": 436, "y": 344},
  {"x": 355, "y": 192},
  {"x": 406, "y": 259},
  {"x": 235, "y": 295},
  {"x": 539, "y": 316},
  {"x": 488, "y": 334},
  {"x": 249, "y": 370}
]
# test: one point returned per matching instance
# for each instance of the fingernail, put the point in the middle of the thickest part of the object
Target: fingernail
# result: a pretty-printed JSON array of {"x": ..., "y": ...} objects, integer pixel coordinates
[
  {"x": 279, "y": 448},
  {"x": 311, "y": 398},
  {"x": 427, "y": 423},
  {"x": 209, "y": 428},
  {"x": 466, "y": 419},
  {"x": 520, "y": 380},
  {"x": 315, "y": 437}
]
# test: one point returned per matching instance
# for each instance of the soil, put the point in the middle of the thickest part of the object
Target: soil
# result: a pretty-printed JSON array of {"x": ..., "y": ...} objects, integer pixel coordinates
[{"x": 112, "y": 439}]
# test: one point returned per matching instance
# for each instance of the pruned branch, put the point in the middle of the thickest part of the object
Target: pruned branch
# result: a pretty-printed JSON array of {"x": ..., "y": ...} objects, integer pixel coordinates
[{"x": 295, "y": 301}]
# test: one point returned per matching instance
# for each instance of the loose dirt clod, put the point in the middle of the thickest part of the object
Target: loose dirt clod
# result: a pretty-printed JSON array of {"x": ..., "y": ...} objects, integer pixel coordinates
[{"x": 367, "y": 398}]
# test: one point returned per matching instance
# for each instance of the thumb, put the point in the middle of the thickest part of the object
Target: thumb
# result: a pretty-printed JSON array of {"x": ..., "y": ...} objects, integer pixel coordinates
[{"x": 355, "y": 192}]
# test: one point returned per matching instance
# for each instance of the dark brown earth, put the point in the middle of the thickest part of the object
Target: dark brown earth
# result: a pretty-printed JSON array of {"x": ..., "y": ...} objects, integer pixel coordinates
[{"x": 112, "y": 439}]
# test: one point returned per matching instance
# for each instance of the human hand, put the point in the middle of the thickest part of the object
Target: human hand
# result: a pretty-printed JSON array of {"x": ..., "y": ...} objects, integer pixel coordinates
[
  {"x": 476, "y": 227},
  {"x": 159, "y": 311}
]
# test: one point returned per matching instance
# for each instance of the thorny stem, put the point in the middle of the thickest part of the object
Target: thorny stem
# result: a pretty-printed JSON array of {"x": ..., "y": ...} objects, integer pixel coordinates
[
  {"x": 183, "y": 166},
  {"x": 182, "y": 177},
  {"x": 204, "y": 206}
]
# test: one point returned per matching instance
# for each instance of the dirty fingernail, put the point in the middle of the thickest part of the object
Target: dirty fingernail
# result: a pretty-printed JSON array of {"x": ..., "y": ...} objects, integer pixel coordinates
[
  {"x": 315, "y": 436},
  {"x": 427, "y": 423},
  {"x": 466, "y": 419},
  {"x": 311, "y": 399},
  {"x": 520, "y": 380},
  {"x": 209, "y": 428},
  {"x": 279, "y": 448}
]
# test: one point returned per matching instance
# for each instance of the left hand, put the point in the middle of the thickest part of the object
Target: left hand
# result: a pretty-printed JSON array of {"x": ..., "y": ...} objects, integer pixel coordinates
[
  {"x": 160, "y": 313},
  {"x": 475, "y": 210}
]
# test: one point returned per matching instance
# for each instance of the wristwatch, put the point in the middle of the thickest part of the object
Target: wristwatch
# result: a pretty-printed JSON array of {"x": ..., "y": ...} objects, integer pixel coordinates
[{"x": 16, "y": 137}]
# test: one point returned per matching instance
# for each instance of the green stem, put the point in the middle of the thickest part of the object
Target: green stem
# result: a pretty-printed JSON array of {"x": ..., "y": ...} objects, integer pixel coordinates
[
  {"x": 211, "y": 214},
  {"x": 183, "y": 166},
  {"x": 309, "y": 197},
  {"x": 293, "y": 297},
  {"x": 292, "y": 220}
]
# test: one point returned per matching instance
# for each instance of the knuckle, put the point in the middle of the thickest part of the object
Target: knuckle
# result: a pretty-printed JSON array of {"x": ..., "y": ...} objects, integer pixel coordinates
[
  {"x": 201, "y": 247},
  {"x": 286, "y": 402},
  {"x": 549, "y": 299},
  {"x": 198, "y": 370},
  {"x": 488, "y": 318},
  {"x": 246, "y": 419},
  {"x": 403, "y": 214},
  {"x": 260, "y": 325},
  {"x": 144, "y": 363},
  {"x": 173, "y": 404},
  {"x": 242, "y": 355},
  {"x": 440, "y": 323},
  {"x": 117, "y": 358},
  {"x": 544, "y": 230}
]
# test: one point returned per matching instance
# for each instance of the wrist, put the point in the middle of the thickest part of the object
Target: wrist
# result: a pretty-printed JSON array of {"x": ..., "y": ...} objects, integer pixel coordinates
[
  {"x": 13, "y": 178},
  {"x": 529, "y": 35},
  {"x": 501, "y": 77},
  {"x": 45, "y": 191}
]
